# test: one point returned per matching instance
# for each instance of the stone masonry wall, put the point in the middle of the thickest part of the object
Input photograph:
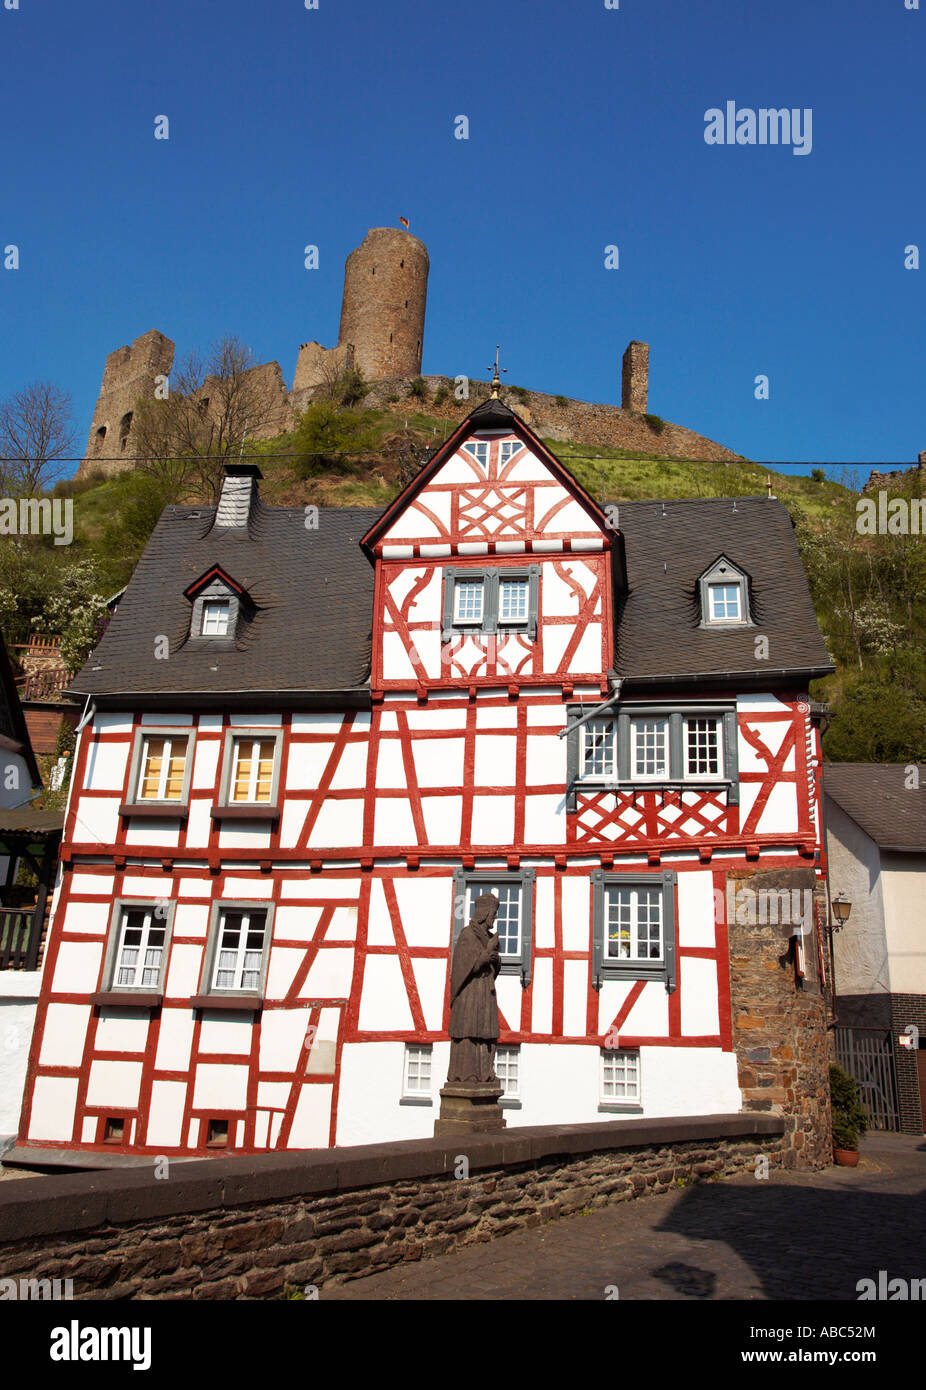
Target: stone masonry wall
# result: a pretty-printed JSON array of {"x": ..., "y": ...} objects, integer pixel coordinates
[
  {"x": 203, "y": 1237},
  {"x": 780, "y": 1031}
]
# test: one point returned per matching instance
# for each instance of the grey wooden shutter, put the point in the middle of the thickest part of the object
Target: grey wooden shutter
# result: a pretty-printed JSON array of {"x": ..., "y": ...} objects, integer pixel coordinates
[
  {"x": 457, "y": 913},
  {"x": 623, "y": 748},
  {"x": 597, "y": 926},
  {"x": 450, "y": 576},
  {"x": 533, "y": 608},
  {"x": 669, "y": 880},
  {"x": 730, "y": 757},
  {"x": 490, "y": 601},
  {"x": 676, "y": 749},
  {"x": 572, "y": 757},
  {"x": 527, "y": 925}
]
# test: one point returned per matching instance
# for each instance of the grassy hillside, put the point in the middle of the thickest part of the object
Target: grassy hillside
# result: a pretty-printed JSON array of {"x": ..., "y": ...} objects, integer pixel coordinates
[{"x": 869, "y": 592}]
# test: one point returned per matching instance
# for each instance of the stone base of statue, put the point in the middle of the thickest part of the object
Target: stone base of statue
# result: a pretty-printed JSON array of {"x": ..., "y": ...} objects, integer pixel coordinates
[{"x": 470, "y": 1107}]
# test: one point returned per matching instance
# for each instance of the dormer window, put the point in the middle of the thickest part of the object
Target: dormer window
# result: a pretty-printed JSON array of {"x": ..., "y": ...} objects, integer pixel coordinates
[
  {"x": 216, "y": 614},
  {"x": 218, "y": 604},
  {"x": 724, "y": 595}
]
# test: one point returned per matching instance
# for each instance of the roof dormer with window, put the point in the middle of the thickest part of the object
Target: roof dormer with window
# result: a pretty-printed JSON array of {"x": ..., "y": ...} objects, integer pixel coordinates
[
  {"x": 218, "y": 607},
  {"x": 724, "y": 592}
]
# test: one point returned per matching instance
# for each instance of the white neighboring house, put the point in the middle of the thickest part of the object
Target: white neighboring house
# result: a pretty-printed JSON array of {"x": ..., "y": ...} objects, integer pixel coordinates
[
  {"x": 29, "y": 835},
  {"x": 876, "y": 844}
]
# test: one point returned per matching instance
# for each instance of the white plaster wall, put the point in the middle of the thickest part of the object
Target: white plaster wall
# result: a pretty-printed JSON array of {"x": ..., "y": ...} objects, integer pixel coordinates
[
  {"x": 17, "y": 1020},
  {"x": 860, "y": 948},
  {"x": 904, "y": 882}
]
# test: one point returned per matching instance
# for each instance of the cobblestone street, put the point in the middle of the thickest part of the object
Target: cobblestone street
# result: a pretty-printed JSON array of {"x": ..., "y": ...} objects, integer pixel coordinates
[{"x": 794, "y": 1236}]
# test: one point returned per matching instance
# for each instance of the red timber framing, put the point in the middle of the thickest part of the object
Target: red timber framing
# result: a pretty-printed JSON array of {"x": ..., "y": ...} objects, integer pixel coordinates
[{"x": 456, "y": 764}]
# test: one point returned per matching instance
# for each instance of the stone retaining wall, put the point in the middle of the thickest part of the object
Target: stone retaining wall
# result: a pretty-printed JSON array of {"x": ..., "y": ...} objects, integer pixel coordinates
[{"x": 242, "y": 1228}]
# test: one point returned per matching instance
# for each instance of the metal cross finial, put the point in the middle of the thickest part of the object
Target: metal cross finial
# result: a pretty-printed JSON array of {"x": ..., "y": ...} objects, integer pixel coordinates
[{"x": 496, "y": 380}]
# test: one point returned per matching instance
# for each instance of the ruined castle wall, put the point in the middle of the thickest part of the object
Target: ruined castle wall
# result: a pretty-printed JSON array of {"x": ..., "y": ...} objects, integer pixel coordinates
[{"x": 129, "y": 375}]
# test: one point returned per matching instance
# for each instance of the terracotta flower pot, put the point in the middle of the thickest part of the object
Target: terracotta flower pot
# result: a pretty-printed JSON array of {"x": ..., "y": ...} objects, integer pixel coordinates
[{"x": 846, "y": 1158}]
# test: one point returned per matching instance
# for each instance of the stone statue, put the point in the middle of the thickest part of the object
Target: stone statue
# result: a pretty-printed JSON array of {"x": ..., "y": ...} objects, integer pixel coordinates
[{"x": 473, "y": 1006}]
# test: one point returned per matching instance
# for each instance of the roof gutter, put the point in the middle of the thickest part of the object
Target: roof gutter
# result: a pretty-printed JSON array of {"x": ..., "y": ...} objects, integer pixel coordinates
[
  {"x": 217, "y": 700},
  {"x": 757, "y": 678}
]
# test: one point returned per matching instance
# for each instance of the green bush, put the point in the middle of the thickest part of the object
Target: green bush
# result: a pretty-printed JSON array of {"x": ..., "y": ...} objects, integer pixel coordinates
[
  {"x": 441, "y": 394},
  {"x": 818, "y": 475},
  {"x": 849, "y": 1118},
  {"x": 655, "y": 422},
  {"x": 561, "y": 402},
  {"x": 419, "y": 387}
]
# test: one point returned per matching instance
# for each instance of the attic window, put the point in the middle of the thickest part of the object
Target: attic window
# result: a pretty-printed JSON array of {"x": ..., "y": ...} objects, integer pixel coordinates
[
  {"x": 724, "y": 595},
  {"x": 216, "y": 614},
  {"x": 477, "y": 450}
]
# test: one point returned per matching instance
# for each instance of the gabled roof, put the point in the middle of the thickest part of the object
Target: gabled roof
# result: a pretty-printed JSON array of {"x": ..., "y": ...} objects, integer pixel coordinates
[
  {"x": 491, "y": 415},
  {"x": 669, "y": 546},
  {"x": 312, "y": 591},
  {"x": 879, "y": 799},
  {"x": 13, "y": 728}
]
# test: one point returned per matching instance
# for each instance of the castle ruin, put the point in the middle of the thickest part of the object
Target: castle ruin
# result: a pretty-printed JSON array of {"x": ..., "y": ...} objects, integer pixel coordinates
[{"x": 380, "y": 335}]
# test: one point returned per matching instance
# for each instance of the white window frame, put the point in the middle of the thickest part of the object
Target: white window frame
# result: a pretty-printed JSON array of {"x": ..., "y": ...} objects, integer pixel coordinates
[
  {"x": 241, "y": 951},
  {"x": 611, "y": 1058},
  {"x": 233, "y": 737},
  {"x": 512, "y": 446},
  {"x": 586, "y": 732},
  {"x": 524, "y": 584},
  {"x": 478, "y": 450},
  {"x": 700, "y": 777},
  {"x": 149, "y": 923},
  {"x": 462, "y": 585},
  {"x": 724, "y": 574},
  {"x": 736, "y": 587},
  {"x": 635, "y": 773},
  {"x": 634, "y": 890},
  {"x": 218, "y": 913},
  {"x": 508, "y": 1054},
  {"x": 414, "y": 1055},
  {"x": 213, "y": 608},
  {"x": 169, "y": 737}
]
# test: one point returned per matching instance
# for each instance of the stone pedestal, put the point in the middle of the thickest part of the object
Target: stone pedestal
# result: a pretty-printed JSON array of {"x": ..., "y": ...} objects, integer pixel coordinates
[{"x": 470, "y": 1109}]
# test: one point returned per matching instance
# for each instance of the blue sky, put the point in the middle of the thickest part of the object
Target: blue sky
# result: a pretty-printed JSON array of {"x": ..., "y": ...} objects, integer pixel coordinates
[{"x": 291, "y": 126}]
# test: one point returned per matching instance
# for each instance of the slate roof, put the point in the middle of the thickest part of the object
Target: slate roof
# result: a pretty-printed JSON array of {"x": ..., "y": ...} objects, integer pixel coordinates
[
  {"x": 310, "y": 627},
  {"x": 668, "y": 546},
  {"x": 877, "y": 798},
  {"x": 312, "y": 591}
]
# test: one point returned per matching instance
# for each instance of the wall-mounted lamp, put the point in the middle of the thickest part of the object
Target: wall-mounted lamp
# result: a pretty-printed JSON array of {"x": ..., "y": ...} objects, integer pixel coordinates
[{"x": 841, "y": 908}]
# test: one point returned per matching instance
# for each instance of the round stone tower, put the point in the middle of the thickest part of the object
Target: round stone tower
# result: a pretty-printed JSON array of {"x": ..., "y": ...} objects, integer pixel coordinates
[{"x": 382, "y": 312}]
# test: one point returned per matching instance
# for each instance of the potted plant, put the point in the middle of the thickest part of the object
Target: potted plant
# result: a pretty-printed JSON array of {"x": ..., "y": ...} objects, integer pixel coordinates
[{"x": 849, "y": 1118}]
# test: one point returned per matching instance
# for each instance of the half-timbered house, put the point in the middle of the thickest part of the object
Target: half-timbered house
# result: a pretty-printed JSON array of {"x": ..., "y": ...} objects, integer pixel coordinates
[{"x": 309, "y": 740}]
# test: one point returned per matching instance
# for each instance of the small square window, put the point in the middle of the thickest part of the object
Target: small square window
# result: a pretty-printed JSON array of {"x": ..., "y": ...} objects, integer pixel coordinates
[
  {"x": 507, "y": 449},
  {"x": 163, "y": 764},
  {"x": 416, "y": 1080},
  {"x": 725, "y": 602},
  {"x": 633, "y": 919},
  {"x": 478, "y": 450},
  {"x": 620, "y": 1077},
  {"x": 114, "y": 1129},
  {"x": 217, "y": 1134},
  {"x": 215, "y": 617}
]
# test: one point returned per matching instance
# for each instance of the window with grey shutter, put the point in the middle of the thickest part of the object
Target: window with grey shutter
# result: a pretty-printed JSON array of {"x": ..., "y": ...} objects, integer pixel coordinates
[
  {"x": 514, "y": 921},
  {"x": 659, "y": 746},
  {"x": 501, "y": 610},
  {"x": 634, "y": 927}
]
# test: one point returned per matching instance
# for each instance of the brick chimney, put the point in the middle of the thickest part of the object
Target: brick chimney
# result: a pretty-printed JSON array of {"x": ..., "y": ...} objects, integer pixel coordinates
[
  {"x": 635, "y": 377},
  {"x": 238, "y": 497}
]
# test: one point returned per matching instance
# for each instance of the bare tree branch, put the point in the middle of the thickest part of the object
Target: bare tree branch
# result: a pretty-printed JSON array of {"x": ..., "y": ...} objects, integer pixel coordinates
[{"x": 36, "y": 430}]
